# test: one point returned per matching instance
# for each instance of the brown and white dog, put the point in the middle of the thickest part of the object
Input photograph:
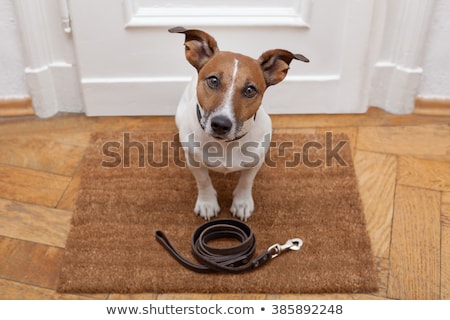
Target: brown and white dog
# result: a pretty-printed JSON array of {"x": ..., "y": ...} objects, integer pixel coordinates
[{"x": 221, "y": 123}]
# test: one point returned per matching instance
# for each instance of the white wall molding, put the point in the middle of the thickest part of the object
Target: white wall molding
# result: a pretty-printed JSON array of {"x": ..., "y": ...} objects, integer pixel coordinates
[
  {"x": 397, "y": 71},
  {"x": 145, "y": 13},
  {"x": 355, "y": 69},
  {"x": 436, "y": 76},
  {"x": 12, "y": 63},
  {"x": 51, "y": 73}
]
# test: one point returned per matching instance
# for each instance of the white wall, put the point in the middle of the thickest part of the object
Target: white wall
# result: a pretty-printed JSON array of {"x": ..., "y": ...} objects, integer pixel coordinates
[
  {"x": 436, "y": 65},
  {"x": 12, "y": 74},
  {"x": 436, "y": 77}
]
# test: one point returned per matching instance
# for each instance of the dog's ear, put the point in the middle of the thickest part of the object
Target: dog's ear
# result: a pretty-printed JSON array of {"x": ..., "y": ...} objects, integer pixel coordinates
[
  {"x": 275, "y": 64},
  {"x": 199, "y": 46}
]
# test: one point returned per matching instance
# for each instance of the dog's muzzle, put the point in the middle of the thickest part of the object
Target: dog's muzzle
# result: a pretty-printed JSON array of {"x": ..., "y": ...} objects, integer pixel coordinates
[{"x": 220, "y": 125}]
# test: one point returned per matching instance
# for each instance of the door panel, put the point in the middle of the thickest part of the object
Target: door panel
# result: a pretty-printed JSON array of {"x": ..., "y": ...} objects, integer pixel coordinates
[{"x": 130, "y": 65}]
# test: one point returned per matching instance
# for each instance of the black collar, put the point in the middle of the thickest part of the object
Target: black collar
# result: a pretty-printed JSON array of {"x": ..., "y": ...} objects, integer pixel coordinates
[{"x": 199, "y": 117}]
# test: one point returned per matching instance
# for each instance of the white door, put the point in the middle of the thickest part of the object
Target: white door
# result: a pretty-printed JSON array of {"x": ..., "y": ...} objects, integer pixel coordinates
[{"x": 130, "y": 65}]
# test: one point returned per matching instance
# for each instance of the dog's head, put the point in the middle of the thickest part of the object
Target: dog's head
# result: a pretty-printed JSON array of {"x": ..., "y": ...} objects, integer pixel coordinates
[{"x": 230, "y": 85}]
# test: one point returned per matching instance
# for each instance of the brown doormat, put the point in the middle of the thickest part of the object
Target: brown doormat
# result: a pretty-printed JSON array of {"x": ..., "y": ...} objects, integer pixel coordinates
[{"x": 134, "y": 184}]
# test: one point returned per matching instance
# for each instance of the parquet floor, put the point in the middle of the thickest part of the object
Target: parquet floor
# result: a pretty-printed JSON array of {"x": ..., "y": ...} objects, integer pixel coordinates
[{"x": 402, "y": 163}]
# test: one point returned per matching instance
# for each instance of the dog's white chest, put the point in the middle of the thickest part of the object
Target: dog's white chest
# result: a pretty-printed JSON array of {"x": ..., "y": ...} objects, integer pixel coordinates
[{"x": 227, "y": 157}]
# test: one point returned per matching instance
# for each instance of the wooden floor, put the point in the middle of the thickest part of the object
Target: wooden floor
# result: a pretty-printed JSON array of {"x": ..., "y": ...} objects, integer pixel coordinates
[{"x": 402, "y": 163}]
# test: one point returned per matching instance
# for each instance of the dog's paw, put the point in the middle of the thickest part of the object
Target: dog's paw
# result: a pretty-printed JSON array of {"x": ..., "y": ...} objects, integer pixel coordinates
[
  {"x": 242, "y": 207},
  {"x": 207, "y": 208}
]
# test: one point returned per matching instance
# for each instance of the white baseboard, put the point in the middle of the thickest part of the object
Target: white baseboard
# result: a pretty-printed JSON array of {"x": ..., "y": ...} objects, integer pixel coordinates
[
  {"x": 394, "y": 88},
  {"x": 49, "y": 87}
]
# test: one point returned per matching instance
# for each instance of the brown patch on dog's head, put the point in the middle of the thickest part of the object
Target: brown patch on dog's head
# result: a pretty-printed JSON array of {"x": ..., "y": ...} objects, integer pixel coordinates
[
  {"x": 231, "y": 78},
  {"x": 275, "y": 64}
]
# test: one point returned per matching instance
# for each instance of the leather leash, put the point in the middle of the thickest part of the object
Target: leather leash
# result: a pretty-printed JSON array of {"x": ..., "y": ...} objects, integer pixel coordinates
[{"x": 233, "y": 259}]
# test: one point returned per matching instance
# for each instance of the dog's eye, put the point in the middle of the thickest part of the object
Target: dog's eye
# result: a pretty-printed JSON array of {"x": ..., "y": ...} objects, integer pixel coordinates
[
  {"x": 250, "y": 91},
  {"x": 213, "y": 82}
]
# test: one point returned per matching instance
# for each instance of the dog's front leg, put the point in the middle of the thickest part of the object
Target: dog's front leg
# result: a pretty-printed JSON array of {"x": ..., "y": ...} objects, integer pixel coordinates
[
  {"x": 243, "y": 206},
  {"x": 206, "y": 205}
]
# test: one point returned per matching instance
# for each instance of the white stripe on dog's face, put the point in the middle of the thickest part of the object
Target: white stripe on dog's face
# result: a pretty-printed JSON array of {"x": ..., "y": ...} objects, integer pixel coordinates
[
  {"x": 227, "y": 108},
  {"x": 228, "y": 103}
]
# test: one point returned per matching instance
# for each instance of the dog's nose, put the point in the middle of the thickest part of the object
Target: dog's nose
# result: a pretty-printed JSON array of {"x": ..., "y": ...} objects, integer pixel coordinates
[{"x": 221, "y": 125}]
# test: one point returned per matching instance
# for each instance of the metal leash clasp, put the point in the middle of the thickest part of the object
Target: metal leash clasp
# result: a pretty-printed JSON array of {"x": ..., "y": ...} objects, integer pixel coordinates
[{"x": 292, "y": 244}]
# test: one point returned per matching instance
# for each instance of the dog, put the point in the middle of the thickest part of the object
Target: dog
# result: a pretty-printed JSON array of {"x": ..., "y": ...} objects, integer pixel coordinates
[{"x": 222, "y": 126}]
